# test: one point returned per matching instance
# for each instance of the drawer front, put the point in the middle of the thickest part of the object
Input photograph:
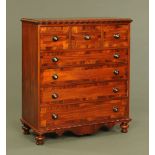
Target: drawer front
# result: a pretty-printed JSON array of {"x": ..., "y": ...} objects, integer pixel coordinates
[
  {"x": 86, "y": 37},
  {"x": 60, "y": 115},
  {"x": 115, "y": 36},
  {"x": 81, "y": 58},
  {"x": 47, "y": 42},
  {"x": 96, "y": 73},
  {"x": 83, "y": 37},
  {"x": 76, "y": 92}
]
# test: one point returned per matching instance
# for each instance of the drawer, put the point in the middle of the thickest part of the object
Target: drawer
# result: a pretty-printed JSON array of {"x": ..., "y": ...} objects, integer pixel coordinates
[
  {"x": 54, "y": 29},
  {"x": 79, "y": 92},
  {"x": 115, "y": 36},
  {"x": 54, "y": 41},
  {"x": 95, "y": 73},
  {"x": 60, "y": 115},
  {"x": 77, "y": 58},
  {"x": 86, "y": 37}
]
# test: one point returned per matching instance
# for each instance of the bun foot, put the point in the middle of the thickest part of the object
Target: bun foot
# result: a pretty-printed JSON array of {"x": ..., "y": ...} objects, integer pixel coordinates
[
  {"x": 124, "y": 127},
  {"x": 26, "y": 129},
  {"x": 39, "y": 140}
]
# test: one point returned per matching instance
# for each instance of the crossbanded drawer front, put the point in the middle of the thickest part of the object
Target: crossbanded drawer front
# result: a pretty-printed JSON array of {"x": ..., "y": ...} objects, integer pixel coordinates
[
  {"x": 54, "y": 41},
  {"x": 72, "y": 93},
  {"x": 116, "y": 36},
  {"x": 76, "y": 58},
  {"x": 94, "y": 73},
  {"x": 86, "y": 37},
  {"x": 86, "y": 41},
  {"x": 56, "y": 116}
]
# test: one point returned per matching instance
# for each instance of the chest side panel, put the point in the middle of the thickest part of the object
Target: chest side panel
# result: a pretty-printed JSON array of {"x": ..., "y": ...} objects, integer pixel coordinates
[{"x": 30, "y": 72}]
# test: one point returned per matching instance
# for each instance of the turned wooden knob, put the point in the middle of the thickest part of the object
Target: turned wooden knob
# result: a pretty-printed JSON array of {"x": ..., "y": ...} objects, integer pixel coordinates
[
  {"x": 116, "y": 56},
  {"x": 55, "y": 96},
  {"x": 116, "y": 36},
  {"x": 115, "y": 109},
  {"x": 115, "y": 90},
  {"x": 55, "y": 38},
  {"x": 87, "y": 37},
  {"x": 55, "y": 59},
  {"x": 55, "y": 76},
  {"x": 116, "y": 72},
  {"x": 54, "y": 116}
]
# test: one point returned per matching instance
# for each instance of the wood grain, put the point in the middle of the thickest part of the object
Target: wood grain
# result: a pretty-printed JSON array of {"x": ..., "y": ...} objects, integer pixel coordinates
[
  {"x": 93, "y": 73},
  {"x": 84, "y": 92},
  {"x": 30, "y": 73},
  {"x": 81, "y": 113},
  {"x": 84, "y": 57}
]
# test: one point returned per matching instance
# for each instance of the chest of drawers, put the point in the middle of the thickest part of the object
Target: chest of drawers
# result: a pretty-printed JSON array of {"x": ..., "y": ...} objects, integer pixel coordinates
[{"x": 75, "y": 75}]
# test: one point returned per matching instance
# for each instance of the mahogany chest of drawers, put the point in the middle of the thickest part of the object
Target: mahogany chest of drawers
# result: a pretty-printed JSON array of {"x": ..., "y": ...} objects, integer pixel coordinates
[{"x": 75, "y": 75}]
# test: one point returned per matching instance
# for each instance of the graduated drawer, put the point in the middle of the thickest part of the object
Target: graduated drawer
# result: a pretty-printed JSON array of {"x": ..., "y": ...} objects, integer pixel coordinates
[
  {"x": 60, "y": 115},
  {"x": 78, "y": 92},
  {"x": 76, "y": 58},
  {"x": 95, "y": 73},
  {"x": 54, "y": 38},
  {"x": 86, "y": 37},
  {"x": 115, "y": 36}
]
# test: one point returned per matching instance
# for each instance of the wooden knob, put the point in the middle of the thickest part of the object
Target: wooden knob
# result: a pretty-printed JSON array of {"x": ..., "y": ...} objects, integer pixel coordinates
[
  {"x": 116, "y": 72},
  {"x": 55, "y": 96},
  {"x": 55, "y": 76},
  {"x": 116, "y": 36},
  {"x": 115, "y": 109},
  {"x": 55, "y": 38},
  {"x": 55, "y": 59},
  {"x": 116, "y": 56},
  {"x": 115, "y": 90},
  {"x": 54, "y": 116},
  {"x": 87, "y": 37}
]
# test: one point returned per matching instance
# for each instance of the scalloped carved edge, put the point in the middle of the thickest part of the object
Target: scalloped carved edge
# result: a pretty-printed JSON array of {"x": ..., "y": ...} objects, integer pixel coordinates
[
  {"x": 80, "y": 130},
  {"x": 78, "y": 21}
]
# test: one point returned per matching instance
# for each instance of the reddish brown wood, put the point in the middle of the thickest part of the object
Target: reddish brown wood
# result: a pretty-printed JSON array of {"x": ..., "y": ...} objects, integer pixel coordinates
[
  {"x": 26, "y": 129},
  {"x": 74, "y": 114},
  {"x": 30, "y": 73},
  {"x": 79, "y": 21},
  {"x": 87, "y": 93},
  {"x": 124, "y": 126},
  {"x": 39, "y": 139},
  {"x": 88, "y": 73},
  {"x": 78, "y": 58}
]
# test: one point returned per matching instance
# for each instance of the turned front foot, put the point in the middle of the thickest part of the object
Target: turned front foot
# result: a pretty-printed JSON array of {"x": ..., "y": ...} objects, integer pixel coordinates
[
  {"x": 39, "y": 139},
  {"x": 26, "y": 129},
  {"x": 124, "y": 127}
]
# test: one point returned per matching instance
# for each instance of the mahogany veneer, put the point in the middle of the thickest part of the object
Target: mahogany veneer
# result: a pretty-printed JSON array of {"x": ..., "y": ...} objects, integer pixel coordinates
[{"x": 75, "y": 75}]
